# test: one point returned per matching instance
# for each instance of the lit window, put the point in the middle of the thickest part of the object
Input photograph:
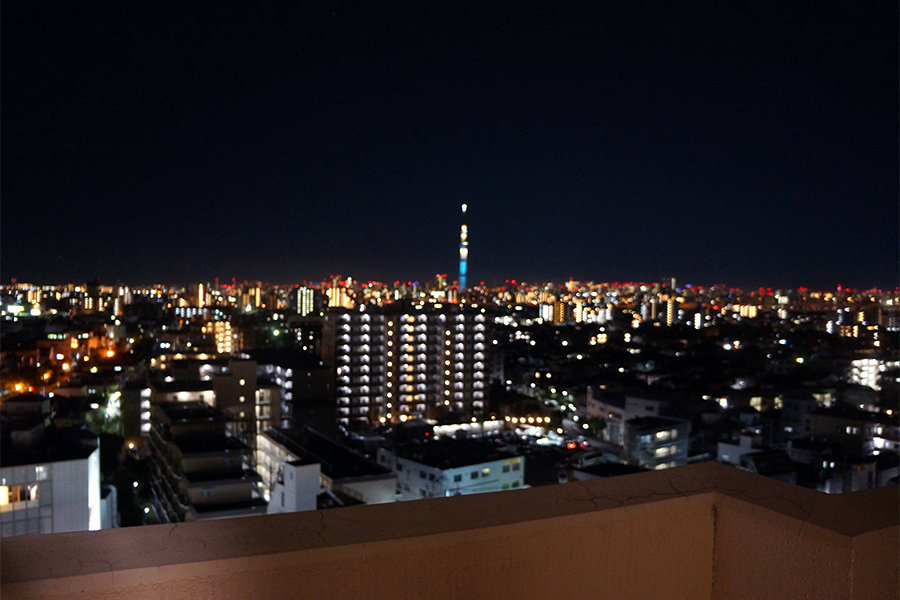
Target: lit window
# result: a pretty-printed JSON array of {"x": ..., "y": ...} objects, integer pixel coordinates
[
  {"x": 665, "y": 451},
  {"x": 18, "y": 493}
]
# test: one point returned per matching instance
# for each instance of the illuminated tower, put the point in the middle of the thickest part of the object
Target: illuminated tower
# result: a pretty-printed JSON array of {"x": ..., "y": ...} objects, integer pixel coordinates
[{"x": 463, "y": 252}]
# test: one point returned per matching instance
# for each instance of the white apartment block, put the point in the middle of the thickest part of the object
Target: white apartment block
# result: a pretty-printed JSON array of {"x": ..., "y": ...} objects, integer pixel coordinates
[
  {"x": 55, "y": 496},
  {"x": 451, "y": 468}
]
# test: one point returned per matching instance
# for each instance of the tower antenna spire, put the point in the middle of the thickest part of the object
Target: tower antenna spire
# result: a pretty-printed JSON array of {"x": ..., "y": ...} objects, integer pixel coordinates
[{"x": 463, "y": 251}]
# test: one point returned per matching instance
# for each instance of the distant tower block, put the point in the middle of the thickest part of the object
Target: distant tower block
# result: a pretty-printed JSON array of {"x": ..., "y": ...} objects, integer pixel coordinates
[{"x": 463, "y": 251}]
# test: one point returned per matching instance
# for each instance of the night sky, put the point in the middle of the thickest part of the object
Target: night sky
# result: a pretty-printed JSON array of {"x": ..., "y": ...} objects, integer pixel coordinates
[{"x": 752, "y": 144}]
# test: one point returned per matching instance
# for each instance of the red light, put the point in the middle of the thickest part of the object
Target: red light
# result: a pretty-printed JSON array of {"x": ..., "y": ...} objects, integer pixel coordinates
[
  {"x": 571, "y": 445},
  {"x": 30, "y": 388}
]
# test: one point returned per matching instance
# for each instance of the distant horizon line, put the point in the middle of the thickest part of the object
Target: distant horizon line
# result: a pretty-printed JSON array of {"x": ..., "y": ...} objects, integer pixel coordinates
[{"x": 494, "y": 284}]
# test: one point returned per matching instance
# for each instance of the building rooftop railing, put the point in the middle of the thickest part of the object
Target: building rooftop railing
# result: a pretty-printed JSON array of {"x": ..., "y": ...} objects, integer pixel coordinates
[{"x": 701, "y": 531}]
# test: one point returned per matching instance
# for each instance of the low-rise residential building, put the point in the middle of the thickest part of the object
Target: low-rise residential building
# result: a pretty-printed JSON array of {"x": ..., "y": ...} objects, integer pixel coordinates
[
  {"x": 603, "y": 470},
  {"x": 886, "y": 434},
  {"x": 656, "y": 442},
  {"x": 451, "y": 467},
  {"x": 731, "y": 452},
  {"x": 615, "y": 410},
  {"x": 296, "y": 487},
  {"x": 795, "y": 406},
  {"x": 852, "y": 428},
  {"x": 341, "y": 471},
  {"x": 610, "y": 410},
  {"x": 49, "y": 478},
  {"x": 770, "y": 463}
]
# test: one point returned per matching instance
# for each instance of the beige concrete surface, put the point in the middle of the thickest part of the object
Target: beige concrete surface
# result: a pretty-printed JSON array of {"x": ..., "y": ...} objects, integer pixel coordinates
[{"x": 702, "y": 531}]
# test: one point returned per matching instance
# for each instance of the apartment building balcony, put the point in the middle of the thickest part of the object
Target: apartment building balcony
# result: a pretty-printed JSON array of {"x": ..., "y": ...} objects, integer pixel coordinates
[{"x": 701, "y": 531}]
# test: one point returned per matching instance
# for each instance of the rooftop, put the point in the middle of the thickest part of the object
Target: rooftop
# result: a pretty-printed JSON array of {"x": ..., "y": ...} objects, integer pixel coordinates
[
  {"x": 451, "y": 454},
  {"x": 50, "y": 445},
  {"x": 850, "y": 413},
  {"x": 607, "y": 469},
  {"x": 337, "y": 461},
  {"x": 653, "y": 423}
]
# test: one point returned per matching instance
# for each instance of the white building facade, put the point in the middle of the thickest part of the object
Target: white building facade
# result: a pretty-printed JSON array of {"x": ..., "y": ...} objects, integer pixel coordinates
[
  {"x": 51, "y": 497},
  {"x": 417, "y": 480},
  {"x": 395, "y": 363}
]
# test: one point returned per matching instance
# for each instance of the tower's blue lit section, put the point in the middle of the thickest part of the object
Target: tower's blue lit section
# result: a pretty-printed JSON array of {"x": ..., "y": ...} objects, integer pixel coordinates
[{"x": 463, "y": 251}]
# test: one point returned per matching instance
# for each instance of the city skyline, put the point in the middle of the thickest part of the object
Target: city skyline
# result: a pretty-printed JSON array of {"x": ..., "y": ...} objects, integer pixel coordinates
[
  {"x": 749, "y": 146},
  {"x": 420, "y": 286}
]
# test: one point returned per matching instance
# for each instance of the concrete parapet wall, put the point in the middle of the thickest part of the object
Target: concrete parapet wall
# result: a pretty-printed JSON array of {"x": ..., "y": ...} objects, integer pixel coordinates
[{"x": 702, "y": 531}]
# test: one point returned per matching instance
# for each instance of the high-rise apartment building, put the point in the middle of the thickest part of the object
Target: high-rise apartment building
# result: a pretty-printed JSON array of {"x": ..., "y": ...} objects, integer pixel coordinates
[
  {"x": 338, "y": 293},
  {"x": 305, "y": 301},
  {"x": 201, "y": 300},
  {"x": 225, "y": 337},
  {"x": 198, "y": 471},
  {"x": 556, "y": 312},
  {"x": 399, "y": 362}
]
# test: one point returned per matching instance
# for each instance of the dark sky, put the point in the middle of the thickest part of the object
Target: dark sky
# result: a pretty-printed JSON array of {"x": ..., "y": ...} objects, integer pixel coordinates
[{"x": 739, "y": 143}]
